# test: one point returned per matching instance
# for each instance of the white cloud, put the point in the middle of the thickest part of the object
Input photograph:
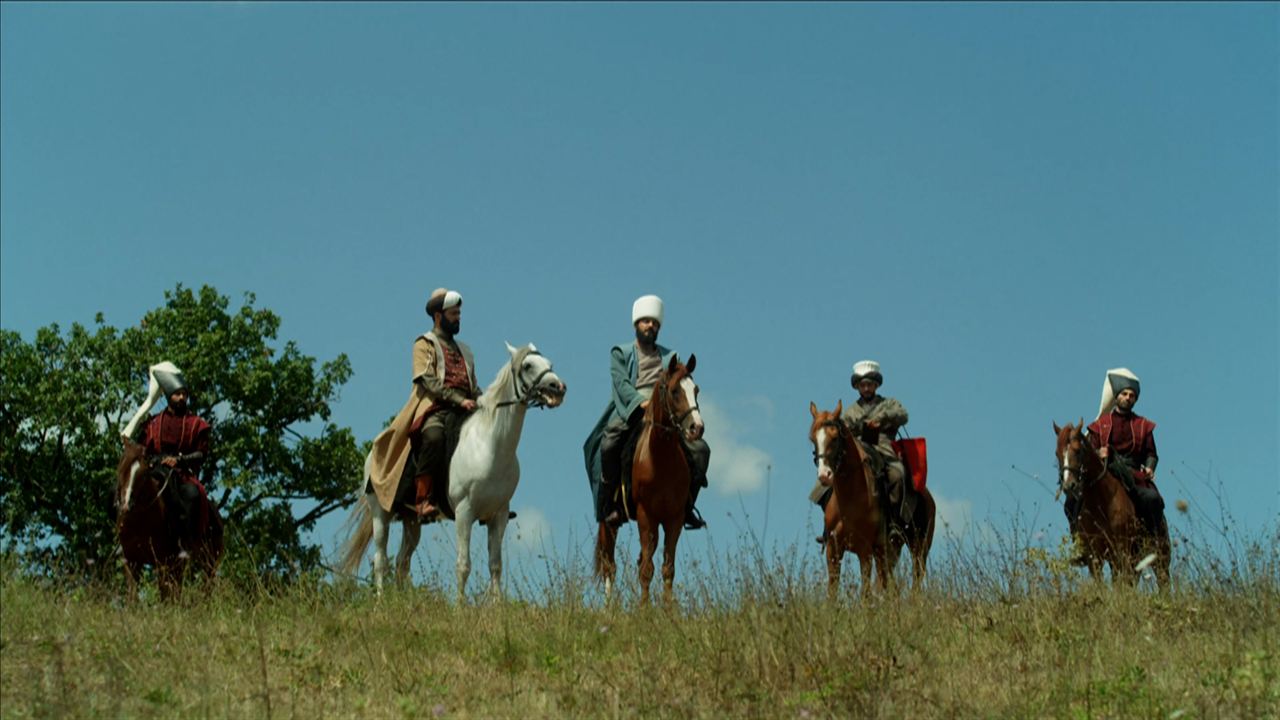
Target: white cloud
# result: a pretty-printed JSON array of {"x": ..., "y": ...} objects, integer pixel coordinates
[
  {"x": 735, "y": 467},
  {"x": 954, "y": 517},
  {"x": 530, "y": 530}
]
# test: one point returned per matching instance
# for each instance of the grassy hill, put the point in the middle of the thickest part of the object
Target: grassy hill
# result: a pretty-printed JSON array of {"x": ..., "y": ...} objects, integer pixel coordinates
[{"x": 995, "y": 634}]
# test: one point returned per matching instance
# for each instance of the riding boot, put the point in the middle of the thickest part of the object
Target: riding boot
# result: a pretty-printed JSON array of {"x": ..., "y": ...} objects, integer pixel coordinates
[
  {"x": 692, "y": 518},
  {"x": 427, "y": 511},
  {"x": 896, "y": 521}
]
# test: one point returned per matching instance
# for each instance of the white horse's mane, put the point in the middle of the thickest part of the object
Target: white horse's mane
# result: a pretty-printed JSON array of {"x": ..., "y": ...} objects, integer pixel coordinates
[{"x": 494, "y": 393}]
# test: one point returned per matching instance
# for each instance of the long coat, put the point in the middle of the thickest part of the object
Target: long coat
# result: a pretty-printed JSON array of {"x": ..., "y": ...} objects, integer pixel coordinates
[
  {"x": 392, "y": 448},
  {"x": 624, "y": 369}
]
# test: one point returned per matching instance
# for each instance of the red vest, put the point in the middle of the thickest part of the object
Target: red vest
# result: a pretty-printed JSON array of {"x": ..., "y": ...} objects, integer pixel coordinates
[{"x": 169, "y": 434}]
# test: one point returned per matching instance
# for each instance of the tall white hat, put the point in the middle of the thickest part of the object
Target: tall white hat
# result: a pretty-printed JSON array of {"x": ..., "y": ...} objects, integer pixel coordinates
[
  {"x": 166, "y": 379},
  {"x": 1117, "y": 379},
  {"x": 648, "y": 306}
]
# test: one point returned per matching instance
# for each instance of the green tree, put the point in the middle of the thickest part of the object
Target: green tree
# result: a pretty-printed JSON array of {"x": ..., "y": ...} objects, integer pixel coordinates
[{"x": 278, "y": 463}]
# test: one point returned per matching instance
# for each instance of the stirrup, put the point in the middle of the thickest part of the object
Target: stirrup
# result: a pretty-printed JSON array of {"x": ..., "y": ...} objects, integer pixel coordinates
[{"x": 693, "y": 519}]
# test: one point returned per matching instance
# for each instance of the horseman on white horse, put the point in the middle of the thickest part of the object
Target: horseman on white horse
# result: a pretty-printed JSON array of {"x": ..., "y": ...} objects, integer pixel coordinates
[
  {"x": 424, "y": 433},
  {"x": 467, "y": 465}
]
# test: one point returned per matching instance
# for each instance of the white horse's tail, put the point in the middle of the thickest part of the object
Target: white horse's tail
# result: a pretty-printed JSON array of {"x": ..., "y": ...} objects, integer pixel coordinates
[{"x": 360, "y": 525}]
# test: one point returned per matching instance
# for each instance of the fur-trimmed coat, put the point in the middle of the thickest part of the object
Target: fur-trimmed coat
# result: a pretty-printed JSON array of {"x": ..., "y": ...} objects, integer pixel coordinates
[{"x": 392, "y": 448}]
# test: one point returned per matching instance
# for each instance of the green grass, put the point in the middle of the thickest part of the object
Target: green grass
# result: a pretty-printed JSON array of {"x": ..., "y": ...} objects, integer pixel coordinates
[{"x": 1012, "y": 634}]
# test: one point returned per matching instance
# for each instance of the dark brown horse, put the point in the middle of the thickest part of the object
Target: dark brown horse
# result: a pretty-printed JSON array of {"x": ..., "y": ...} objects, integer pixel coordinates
[
  {"x": 1109, "y": 529},
  {"x": 854, "y": 517},
  {"x": 146, "y": 534},
  {"x": 659, "y": 478}
]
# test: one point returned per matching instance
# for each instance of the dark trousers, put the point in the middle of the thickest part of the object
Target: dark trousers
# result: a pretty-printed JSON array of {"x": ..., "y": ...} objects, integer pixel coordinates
[
  {"x": 619, "y": 436},
  {"x": 437, "y": 440},
  {"x": 184, "y": 500}
]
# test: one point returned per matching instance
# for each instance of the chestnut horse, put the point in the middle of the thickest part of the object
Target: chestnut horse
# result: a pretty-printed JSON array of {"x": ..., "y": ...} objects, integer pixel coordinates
[
  {"x": 146, "y": 535},
  {"x": 659, "y": 478},
  {"x": 854, "y": 517},
  {"x": 1109, "y": 529}
]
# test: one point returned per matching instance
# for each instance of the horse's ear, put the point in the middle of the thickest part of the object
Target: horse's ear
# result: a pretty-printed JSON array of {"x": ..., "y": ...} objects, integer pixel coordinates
[
  {"x": 1081, "y": 425},
  {"x": 510, "y": 350},
  {"x": 675, "y": 360},
  {"x": 839, "y": 407},
  {"x": 1056, "y": 430},
  {"x": 693, "y": 361},
  {"x": 813, "y": 409},
  {"x": 532, "y": 348}
]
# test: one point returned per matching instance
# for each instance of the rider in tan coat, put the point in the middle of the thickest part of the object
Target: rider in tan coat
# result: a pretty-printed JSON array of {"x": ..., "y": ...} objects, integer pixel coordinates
[{"x": 425, "y": 431}]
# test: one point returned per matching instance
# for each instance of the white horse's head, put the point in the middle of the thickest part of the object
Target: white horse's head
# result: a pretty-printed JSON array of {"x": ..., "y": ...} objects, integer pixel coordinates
[{"x": 535, "y": 381}]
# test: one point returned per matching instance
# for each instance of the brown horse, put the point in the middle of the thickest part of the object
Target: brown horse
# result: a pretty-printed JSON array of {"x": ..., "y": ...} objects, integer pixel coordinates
[
  {"x": 145, "y": 531},
  {"x": 854, "y": 517},
  {"x": 659, "y": 478},
  {"x": 1109, "y": 529}
]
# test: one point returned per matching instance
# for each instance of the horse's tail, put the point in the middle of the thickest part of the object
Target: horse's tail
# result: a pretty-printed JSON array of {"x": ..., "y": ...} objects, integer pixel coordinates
[{"x": 360, "y": 527}]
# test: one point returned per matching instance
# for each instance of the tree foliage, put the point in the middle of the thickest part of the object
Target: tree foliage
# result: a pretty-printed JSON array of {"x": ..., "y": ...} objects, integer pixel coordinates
[{"x": 278, "y": 464}]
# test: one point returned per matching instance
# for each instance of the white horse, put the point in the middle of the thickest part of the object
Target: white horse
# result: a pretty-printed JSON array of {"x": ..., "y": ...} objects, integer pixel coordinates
[{"x": 483, "y": 474}]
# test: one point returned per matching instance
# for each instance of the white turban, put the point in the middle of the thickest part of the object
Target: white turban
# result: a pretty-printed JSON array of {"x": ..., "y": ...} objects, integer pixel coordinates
[
  {"x": 155, "y": 390},
  {"x": 1117, "y": 379},
  {"x": 649, "y": 306}
]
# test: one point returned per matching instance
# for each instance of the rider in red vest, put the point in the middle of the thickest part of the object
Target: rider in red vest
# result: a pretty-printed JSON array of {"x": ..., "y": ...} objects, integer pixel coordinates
[
  {"x": 1126, "y": 443},
  {"x": 180, "y": 440}
]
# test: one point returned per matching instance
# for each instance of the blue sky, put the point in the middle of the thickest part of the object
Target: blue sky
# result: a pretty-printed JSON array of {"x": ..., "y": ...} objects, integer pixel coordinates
[{"x": 998, "y": 202}]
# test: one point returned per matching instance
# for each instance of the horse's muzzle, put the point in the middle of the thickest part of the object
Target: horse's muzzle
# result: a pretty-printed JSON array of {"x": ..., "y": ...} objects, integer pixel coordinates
[{"x": 553, "y": 393}]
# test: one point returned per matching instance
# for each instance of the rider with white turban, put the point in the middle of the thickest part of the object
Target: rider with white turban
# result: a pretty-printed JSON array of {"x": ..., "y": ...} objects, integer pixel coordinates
[
  {"x": 424, "y": 434},
  {"x": 874, "y": 420},
  {"x": 179, "y": 439},
  {"x": 635, "y": 367},
  {"x": 1126, "y": 442}
]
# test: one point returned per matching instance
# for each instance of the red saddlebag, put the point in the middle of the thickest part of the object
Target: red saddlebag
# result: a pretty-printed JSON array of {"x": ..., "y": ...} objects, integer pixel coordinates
[{"x": 915, "y": 457}]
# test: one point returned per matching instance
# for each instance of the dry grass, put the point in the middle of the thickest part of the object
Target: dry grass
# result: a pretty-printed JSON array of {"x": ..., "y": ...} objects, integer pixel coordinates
[{"x": 1012, "y": 634}]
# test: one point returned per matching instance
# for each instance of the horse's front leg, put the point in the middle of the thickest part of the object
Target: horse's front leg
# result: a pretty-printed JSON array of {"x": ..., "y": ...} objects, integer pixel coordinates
[
  {"x": 463, "y": 518},
  {"x": 835, "y": 555},
  {"x": 670, "y": 536},
  {"x": 411, "y": 532},
  {"x": 648, "y": 546},
  {"x": 497, "y": 530},
  {"x": 864, "y": 565}
]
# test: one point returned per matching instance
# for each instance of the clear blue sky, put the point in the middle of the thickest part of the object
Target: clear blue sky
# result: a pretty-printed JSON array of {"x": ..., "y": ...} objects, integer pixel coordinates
[{"x": 998, "y": 202}]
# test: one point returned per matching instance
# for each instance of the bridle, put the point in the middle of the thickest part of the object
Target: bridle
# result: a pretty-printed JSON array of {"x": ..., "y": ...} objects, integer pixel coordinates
[
  {"x": 833, "y": 456},
  {"x": 676, "y": 422},
  {"x": 526, "y": 396},
  {"x": 1075, "y": 448}
]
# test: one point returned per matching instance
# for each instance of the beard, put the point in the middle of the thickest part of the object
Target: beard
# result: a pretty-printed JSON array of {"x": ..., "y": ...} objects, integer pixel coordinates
[
  {"x": 450, "y": 327},
  {"x": 647, "y": 337}
]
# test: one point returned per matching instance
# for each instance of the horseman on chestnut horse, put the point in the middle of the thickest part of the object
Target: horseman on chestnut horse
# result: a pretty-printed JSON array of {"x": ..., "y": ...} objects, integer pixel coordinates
[
  {"x": 1108, "y": 475},
  {"x": 163, "y": 515},
  {"x": 654, "y": 411},
  {"x": 880, "y": 503}
]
